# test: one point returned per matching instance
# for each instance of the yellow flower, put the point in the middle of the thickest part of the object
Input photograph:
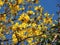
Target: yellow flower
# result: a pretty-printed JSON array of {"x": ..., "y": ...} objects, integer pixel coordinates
[
  {"x": 14, "y": 8},
  {"x": 16, "y": 24},
  {"x": 11, "y": 0},
  {"x": 33, "y": 43},
  {"x": 21, "y": 34},
  {"x": 38, "y": 32},
  {"x": 39, "y": 27},
  {"x": 22, "y": 8},
  {"x": 30, "y": 40},
  {"x": 5, "y": 15},
  {"x": 20, "y": 1},
  {"x": 39, "y": 8},
  {"x": 28, "y": 0},
  {"x": 21, "y": 16},
  {"x": 3, "y": 18},
  {"x": 36, "y": 1},
  {"x": 24, "y": 17},
  {"x": 1, "y": 3},
  {"x": 17, "y": 7},
  {"x": 53, "y": 24},
  {"x": 44, "y": 35},
  {"x": 47, "y": 20},
  {"x": 34, "y": 24},
  {"x": 29, "y": 32},
  {"x": 50, "y": 20},
  {"x": 14, "y": 39},
  {"x": 36, "y": 8},
  {"x": 30, "y": 12},
  {"x": 2, "y": 36},
  {"x": 23, "y": 25},
  {"x": 0, "y": 29},
  {"x": 48, "y": 44},
  {"x": 44, "y": 27},
  {"x": 46, "y": 14},
  {"x": 12, "y": 22},
  {"x": 14, "y": 27},
  {"x": 33, "y": 1}
]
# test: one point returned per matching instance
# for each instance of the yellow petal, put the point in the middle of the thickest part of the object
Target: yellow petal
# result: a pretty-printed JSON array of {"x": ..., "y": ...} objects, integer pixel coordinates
[
  {"x": 30, "y": 40},
  {"x": 1, "y": 3},
  {"x": 20, "y": 1}
]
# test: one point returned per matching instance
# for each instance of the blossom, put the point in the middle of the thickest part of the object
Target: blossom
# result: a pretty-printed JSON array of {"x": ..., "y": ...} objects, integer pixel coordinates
[
  {"x": 29, "y": 32},
  {"x": 14, "y": 8},
  {"x": 21, "y": 34},
  {"x": 34, "y": 24},
  {"x": 36, "y": 1},
  {"x": 53, "y": 24},
  {"x": 23, "y": 25},
  {"x": 0, "y": 29},
  {"x": 24, "y": 17},
  {"x": 47, "y": 20},
  {"x": 30, "y": 12},
  {"x": 16, "y": 24},
  {"x": 39, "y": 8},
  {"x": 30, "y": 40},
  {"x": 14, "y": 27},
  {"x": 36, "y": 8},
  {"x": 14, "y": 39},
  {"x": 2, "y": 36},
  {"x": 3, "y": 17},
  {"x": 33, "y": 1},
  {"x": 38, "y": 32},
  {"x": 1, "y": 3},
  {"x": 44, "y": 35},
  {"x": 46, "y": 14},
  {"x": 20, "y": 1},
  {"x": 39, "y": 27}
]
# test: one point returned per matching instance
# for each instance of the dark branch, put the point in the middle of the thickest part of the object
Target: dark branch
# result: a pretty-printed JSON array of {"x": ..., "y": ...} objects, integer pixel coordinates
[{"x": 27, "y": 38}]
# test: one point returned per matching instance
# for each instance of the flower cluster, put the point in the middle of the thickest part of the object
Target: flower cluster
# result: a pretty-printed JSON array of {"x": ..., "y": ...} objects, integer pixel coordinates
[{"x": 27, "y": 21}]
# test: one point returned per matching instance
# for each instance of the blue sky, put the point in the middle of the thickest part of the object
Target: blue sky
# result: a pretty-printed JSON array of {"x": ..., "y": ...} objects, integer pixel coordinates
[{"x": 50, "y": 6}]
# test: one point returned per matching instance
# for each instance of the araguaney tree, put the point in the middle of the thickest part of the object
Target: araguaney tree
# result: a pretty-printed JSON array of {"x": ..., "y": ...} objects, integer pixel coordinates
[{"x": 29, "y": 24}]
